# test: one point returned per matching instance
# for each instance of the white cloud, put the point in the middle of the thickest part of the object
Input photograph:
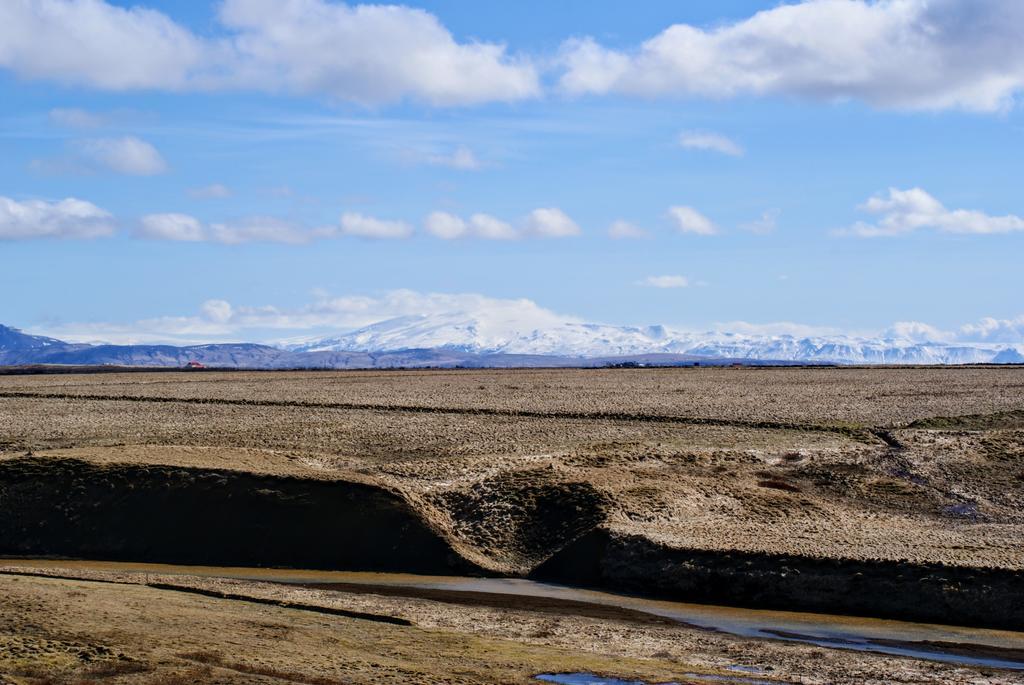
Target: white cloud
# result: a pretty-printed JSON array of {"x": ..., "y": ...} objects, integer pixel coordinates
[
  {"x": 368, "y": 54},
  {"x": 916, "y": 331},
  {"x": 892, "y": 53},
  {"x": 987, "y": 330},
  {"x": 540, "y": 223},
  {"x": 93, "y": 43},
  {"x": 623, "y": 230},
  {"x": 689, "y": 220},
  {"x": 993, "y": 330},
  {"x": 765, "y": 224},
  {"x": 714, "y": 142},
  {"x": 905, "y": 211},
  {"x": 68, "y": 218},
  {"x": 217, "y": 311},
  {"x": 185, "y": 228},
  {"x": 551, "y": 222},
  {"x": 445, "y": 226},
  {"x": 461, "y": 158},
  {"x": 484, "y": 226},
  {"x": 128, "y": 155},
  {"x": 665, "y": 282},
  {"x": 172, "y": 226},
  {"x": 355, "y": 224},
  {"x": 490, "y": 228},
  {"x": 210, "y": 192}
]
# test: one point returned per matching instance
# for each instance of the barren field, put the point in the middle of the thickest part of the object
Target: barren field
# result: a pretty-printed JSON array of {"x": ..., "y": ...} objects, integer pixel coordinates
[
  {"x": 836, "y": 396},
  {"x": 877, "y": 492}
]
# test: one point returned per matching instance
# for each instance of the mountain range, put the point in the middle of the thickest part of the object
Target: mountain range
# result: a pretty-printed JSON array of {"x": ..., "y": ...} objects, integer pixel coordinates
[
  {"x": 480, "y": 340},
  {"x": 477, "y": 334}
]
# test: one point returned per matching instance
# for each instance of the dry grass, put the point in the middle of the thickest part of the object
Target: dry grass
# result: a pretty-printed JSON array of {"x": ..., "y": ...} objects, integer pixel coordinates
[
  {"x": 871, "y": 396},
  {"x": 215, "y": 660}
]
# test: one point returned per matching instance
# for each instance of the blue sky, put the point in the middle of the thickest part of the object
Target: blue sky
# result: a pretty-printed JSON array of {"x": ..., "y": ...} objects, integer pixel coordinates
[{"x": 836, "y": 164}]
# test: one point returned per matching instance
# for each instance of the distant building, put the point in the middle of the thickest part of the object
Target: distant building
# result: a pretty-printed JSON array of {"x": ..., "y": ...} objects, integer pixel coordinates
[{"x": 195, "y": 365}]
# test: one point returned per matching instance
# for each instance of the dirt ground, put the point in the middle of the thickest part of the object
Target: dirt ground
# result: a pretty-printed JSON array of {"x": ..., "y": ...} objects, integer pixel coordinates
[{"x": 912, "y": 478}]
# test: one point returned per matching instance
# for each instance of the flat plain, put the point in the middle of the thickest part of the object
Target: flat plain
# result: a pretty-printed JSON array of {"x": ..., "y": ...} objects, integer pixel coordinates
[{"x": 887, "y": 492}]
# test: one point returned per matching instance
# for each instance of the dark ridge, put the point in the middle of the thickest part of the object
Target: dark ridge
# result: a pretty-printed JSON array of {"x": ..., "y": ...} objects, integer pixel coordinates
[
  {"x": 933, "y": 593},
  {"x": 973, "y": 422},
  {"x": 217, "y": 594},
  {"x": 888, "y": 438},
  {"x": 332, "y": 611}
]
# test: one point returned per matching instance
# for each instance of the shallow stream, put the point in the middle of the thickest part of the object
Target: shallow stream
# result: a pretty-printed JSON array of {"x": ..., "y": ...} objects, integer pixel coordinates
[{"x": 951, "y": 644}]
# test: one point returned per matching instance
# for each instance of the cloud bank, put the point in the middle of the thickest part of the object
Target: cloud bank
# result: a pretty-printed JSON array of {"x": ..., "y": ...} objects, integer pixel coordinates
[
  {"x": 905, "y": 211},
  {"x": 366, "y": 54},
  {"x": 68, "y": 218},
  {"x": 912, "y": 54}
]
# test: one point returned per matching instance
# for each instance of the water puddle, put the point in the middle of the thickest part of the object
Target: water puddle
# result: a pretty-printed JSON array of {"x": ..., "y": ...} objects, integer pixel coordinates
[
  {"x": 950, "y": 644},
  {"x": 591, "y": 679},
  {"x": 584, "y": 679}
]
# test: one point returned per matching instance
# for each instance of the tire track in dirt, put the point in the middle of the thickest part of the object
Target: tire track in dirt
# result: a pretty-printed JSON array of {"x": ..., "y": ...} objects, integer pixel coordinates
[{"x": 854, "y": 433}]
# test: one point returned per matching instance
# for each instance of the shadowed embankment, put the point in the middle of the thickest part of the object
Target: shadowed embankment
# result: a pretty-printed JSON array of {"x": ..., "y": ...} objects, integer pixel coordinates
[
  {"x": 131, "y": 512},
  {"x": 69, "y": 507}
]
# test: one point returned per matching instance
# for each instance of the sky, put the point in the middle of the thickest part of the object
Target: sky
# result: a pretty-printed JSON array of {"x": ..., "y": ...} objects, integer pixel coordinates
[{"x": 265, "y": 169}]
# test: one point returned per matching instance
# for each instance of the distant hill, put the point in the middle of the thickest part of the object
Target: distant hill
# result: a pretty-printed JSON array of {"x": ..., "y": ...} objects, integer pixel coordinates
[
  {"x": 20, "y": 348},
  {"x": 17, "y": 348},
  {"x": 477, "y": 342}
]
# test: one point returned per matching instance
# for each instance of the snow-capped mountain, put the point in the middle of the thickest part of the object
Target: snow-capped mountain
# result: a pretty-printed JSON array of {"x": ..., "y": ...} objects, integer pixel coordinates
[
  {"x": 516, "y": 336},
  {"x": 490, "y": 335},
  {"x": 483, "y": 334}
]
